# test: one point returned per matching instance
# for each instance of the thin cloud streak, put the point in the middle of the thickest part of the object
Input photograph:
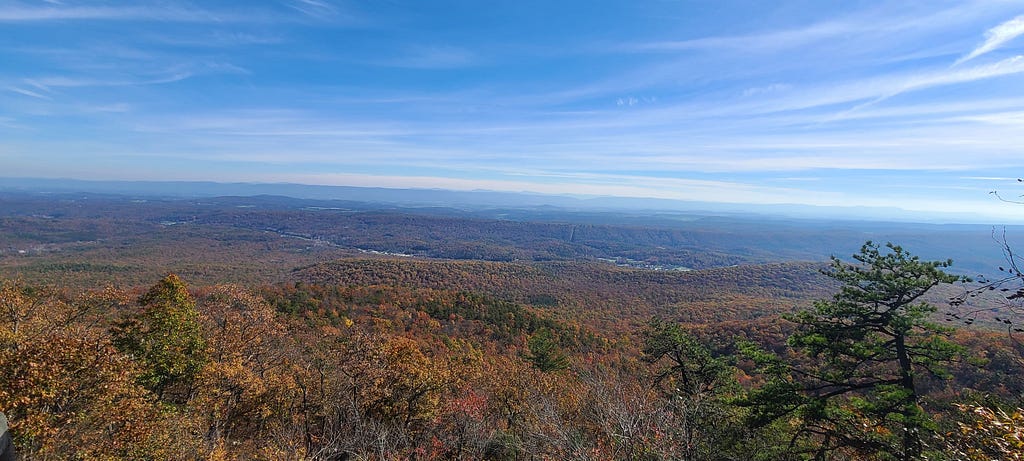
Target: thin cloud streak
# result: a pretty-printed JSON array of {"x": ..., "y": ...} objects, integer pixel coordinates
[
  {"x": 22, "y": 13},
  {"x": 1008, "y": 66},
  {"x": 776, "y": 40},
  {"x": 314, "y": 8},
  {"x": 30, "y": 93},
  {"x": 220, "y": 40},
  {"x": 177, "y": 12},
  {"x": 995, "y": 38},
  {"x": 49, "y": 83}
]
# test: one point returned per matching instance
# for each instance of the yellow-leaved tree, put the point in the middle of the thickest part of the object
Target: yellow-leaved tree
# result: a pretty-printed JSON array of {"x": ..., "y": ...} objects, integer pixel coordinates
[{"x": 69, "y": 394}]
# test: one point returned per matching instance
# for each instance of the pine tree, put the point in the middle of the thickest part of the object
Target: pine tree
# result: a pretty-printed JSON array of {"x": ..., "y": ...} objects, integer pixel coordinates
[
  {"x": 868, "y": 346},
  {"x": 164, "y": 335},
  {"x": 697, "y": 386},
  {"x": 545, "y": 354}
]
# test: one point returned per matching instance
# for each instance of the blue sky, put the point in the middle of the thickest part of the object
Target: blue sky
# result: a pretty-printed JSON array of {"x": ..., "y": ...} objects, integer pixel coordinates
[{"x": 918, "y": 105}]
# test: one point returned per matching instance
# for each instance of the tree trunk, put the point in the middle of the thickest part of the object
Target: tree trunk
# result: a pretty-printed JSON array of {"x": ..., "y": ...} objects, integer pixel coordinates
[{"x": 911, "y": 435}]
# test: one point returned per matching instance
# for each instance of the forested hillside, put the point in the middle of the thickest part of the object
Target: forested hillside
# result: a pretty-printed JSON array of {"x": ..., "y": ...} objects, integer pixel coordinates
[
  {"x": 259, "y": 238},
  {"x": 285, "y": 345}
]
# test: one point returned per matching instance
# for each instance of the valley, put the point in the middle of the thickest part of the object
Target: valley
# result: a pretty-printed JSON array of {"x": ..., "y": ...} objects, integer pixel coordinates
[{"x": 412, "y": 310}]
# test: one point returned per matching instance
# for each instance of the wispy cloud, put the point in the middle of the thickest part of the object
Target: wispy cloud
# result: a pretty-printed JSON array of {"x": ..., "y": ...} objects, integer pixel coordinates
[
  {"x": 170, "y": 12},
  {"x": 75, "y": 82},
  {"x": 44, "y": 87},
  {"x": 8, "y": 122},
  {"x": 990, "y": 178},
  {"x": 998, "y": 118},
  {"x": 868, "y": 30},
  {"x": 1008, "y": 66},
  {"x": 114, "y": 108},
  {"x": 219, "y": 39},
  {"x": 996, "y": 37},
  {"x": 774, "y": 40},
  {"x": 772, "y": 88},
  {"x": 433, "y": 57},
  {"x": 319, "y": 9},
  {"x": 31, "y": 93},
  {"x": 630, "y": 101},
  {"x": 24, "y": 13}
]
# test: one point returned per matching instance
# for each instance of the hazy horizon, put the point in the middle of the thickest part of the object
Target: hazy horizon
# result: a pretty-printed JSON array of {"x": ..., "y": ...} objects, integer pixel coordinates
[{"x": 483, "y": 199}]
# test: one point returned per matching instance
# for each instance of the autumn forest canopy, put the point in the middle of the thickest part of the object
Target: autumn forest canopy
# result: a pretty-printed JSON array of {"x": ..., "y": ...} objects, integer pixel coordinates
[
  {"x": 275, "y": 328},
  {"x": 512, "y": 230}
]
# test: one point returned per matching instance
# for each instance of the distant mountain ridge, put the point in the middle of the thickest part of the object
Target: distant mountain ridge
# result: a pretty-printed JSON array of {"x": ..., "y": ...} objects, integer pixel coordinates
[
  {"x": 475, "y": 199},
  {"x": 664, "y": 240}
]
